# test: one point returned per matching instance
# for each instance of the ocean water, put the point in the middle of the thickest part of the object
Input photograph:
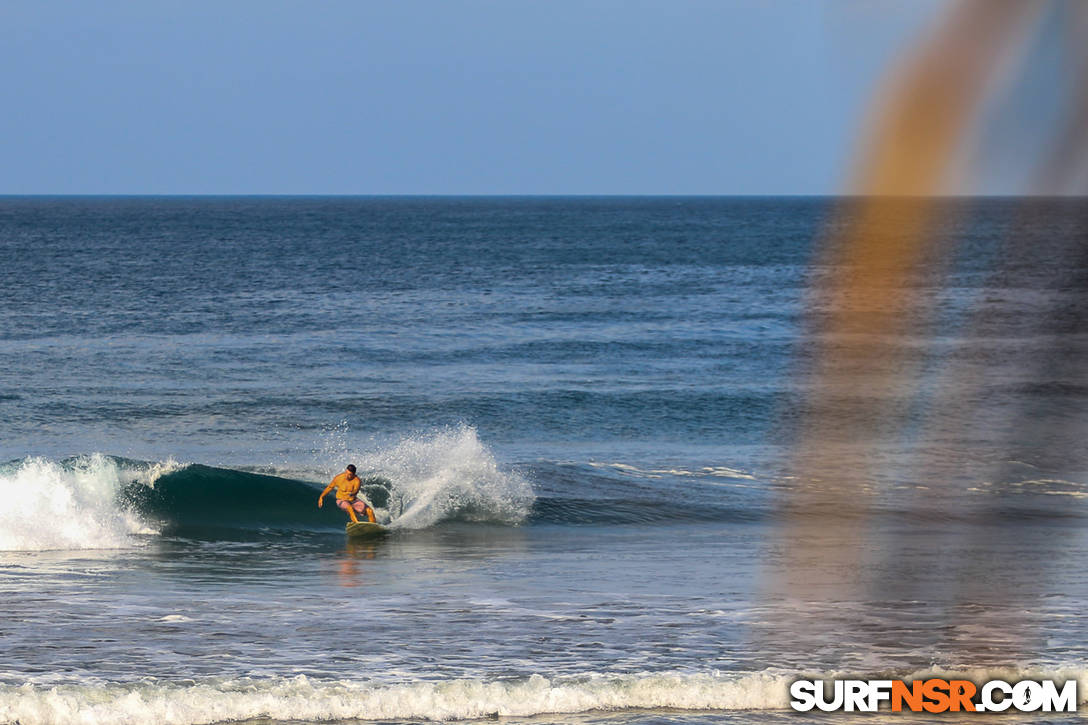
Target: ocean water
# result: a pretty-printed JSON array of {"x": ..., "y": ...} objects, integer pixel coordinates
[{"x": 581, "y": 419}]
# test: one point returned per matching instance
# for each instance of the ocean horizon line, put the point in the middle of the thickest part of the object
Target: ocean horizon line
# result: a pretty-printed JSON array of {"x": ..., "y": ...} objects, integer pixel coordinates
[{"x": 153, "y": 195}]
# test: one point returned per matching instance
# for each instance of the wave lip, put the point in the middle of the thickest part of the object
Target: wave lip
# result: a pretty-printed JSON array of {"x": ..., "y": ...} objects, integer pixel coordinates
[{"x": 71, "y": 504}]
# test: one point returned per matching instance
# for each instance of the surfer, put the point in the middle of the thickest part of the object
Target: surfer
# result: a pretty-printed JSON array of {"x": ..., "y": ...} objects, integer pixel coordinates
[{"x": 347, "y": 495}]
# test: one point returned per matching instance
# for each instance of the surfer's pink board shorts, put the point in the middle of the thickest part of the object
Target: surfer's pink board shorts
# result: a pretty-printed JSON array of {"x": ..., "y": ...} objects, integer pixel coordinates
[{"x": 359, "y": 506}]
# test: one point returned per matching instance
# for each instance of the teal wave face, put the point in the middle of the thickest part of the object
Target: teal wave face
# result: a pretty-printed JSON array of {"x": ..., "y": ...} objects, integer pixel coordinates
[
  {"x": 208, "y": 501},
  {"x": 203, "y": 496},
  {"x": 208, "y": 498}
]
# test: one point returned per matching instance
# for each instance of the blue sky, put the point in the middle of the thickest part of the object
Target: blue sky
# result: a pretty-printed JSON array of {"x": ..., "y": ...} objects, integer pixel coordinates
[{"x": 455, "y": 97}]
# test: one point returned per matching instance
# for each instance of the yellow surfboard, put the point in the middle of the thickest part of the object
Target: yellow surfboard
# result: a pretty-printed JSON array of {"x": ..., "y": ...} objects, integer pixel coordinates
[{"x": 364, "y": 529}]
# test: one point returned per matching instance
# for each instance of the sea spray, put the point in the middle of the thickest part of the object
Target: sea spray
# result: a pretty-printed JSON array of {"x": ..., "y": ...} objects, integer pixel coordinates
[
  {"x": 448, "y": 475},
  {"x": 71, "y": 504}
]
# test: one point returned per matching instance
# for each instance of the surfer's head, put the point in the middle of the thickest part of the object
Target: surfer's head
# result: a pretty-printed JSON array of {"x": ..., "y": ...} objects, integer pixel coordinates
[{"x": 351, "y": 468}]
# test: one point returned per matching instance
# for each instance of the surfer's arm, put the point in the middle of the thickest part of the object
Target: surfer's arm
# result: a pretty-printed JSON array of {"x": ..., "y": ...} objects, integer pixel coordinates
[{"x": 321, "y": 498}]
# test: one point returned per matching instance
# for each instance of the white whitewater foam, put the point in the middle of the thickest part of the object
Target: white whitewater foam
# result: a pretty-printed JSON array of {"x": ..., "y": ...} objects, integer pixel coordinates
[
  {"x": 300, "y": 698},
  {"x": 448, "y": 474},
  {"x": 48, "y": 505}
]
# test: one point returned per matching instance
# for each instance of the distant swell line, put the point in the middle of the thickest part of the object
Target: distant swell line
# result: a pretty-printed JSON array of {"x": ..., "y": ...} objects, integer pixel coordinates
[{"x": 575, "y": 511}]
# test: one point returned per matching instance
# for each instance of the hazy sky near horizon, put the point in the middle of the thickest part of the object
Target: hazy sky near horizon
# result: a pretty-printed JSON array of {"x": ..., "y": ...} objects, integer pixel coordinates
[{"x": 430, "y": 97}]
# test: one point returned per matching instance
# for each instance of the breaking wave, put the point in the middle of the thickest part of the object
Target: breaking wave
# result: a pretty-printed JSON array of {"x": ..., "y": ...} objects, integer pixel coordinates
[
  {"x": 72, "y": 504},
  {"x": 307, "y": 699},
  {"x": 103, "y": 502}
]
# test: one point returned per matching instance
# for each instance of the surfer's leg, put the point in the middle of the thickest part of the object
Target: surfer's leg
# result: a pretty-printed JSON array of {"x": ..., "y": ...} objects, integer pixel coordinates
[
  {"x": 362, "y": 508},
  {"x": 350, "y": 509}
]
